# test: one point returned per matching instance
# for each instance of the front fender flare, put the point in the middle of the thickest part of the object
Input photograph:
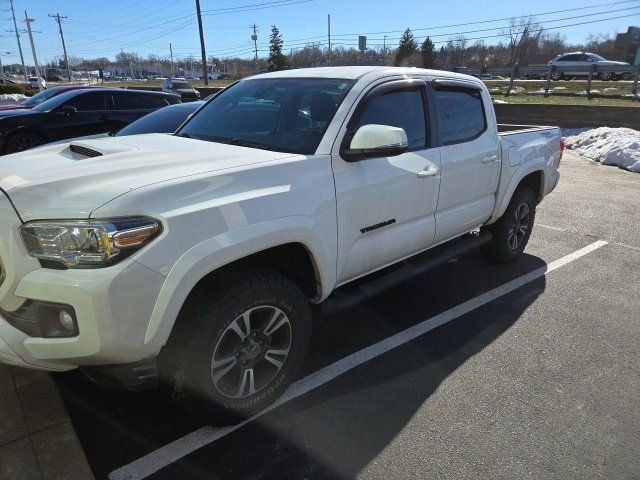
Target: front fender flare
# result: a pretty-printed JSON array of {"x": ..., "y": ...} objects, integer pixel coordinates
[{"x": 226, "y": 248}]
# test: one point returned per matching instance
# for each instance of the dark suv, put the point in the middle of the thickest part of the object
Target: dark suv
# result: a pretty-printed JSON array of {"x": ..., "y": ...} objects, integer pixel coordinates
[{"x": 77, "y": 113}]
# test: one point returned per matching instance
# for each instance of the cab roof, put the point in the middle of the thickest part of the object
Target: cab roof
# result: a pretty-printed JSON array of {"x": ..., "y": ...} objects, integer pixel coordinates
[{"x": 355, "y": 73}]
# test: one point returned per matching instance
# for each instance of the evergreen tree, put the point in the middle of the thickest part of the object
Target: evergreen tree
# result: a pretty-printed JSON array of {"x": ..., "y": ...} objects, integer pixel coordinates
[
  {"x": 277, "y": 59},
  {"x": 407, "y": 47},
  {"x": 428, "y": 52}
]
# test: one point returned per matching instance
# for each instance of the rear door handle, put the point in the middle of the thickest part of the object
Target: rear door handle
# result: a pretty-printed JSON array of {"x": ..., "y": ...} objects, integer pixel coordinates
[
  {"x": 489, "y": 159},
  {"x": 429, "y": 171}
]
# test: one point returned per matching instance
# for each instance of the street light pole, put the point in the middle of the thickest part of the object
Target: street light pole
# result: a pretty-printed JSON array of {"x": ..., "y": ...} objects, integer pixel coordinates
[{"x": 28, "y": 21}]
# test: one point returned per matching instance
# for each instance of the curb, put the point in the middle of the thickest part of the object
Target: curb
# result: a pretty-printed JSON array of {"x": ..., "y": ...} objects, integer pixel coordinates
[{"x": 37, "y": 438}]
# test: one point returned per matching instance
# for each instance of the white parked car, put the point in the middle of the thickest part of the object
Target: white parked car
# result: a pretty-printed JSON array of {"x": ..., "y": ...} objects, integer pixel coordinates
[
  {"x": 196, "y": 255},
  {"x": 582, "y": 60},
  {"x": 37, "y": 82}
]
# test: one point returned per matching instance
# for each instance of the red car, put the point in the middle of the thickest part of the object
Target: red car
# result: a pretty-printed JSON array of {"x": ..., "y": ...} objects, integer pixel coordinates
[{"x": 38, "y": 98}]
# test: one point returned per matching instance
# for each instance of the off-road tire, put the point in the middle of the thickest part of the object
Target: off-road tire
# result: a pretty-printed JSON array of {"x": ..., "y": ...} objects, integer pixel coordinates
[
  {"x": 185, "y": 362},
  {"x": 499, "y": 248}
]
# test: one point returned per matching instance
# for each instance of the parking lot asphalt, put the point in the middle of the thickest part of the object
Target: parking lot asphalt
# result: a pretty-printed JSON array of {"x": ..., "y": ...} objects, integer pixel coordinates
[{"x": 538, "y": 381}]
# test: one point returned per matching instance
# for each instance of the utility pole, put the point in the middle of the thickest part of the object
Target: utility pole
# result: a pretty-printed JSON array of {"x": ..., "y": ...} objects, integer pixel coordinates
[
  {"x": 204, "y": 54},
  {"x": 329, "y": 35},
  {"x": 173, "y": 73},
  {"x": 254, "y": 37},
  {"x": 15, "y": 25},
  {"x": 28, "y": 21},
  {"x": 64, "y": 47}
]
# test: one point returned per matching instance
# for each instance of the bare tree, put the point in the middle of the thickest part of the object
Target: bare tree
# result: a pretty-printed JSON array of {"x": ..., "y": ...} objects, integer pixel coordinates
[
  {"x": 457, "y": 51},
  {"x": 599, "y": 42},
  {"x": 523, "y": 36},
  {"x": 552, "y": 44}
]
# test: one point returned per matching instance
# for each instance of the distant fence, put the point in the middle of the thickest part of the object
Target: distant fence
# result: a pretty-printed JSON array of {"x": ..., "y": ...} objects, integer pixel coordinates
[
  {"x": 549, "y": 72},
  {"x": 568, "y": 116}
]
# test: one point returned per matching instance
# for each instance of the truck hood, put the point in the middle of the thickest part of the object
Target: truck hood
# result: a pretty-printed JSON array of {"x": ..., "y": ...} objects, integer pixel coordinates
[{"x": 72, "y": 179}]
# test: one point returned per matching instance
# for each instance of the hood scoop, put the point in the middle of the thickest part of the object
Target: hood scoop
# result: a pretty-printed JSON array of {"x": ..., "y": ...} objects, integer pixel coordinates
[
  {"x": 98, "y": 147},
  {"x": 87, "y": 152}
]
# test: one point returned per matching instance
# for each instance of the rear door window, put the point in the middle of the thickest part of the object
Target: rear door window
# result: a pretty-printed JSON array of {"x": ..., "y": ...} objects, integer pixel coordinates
[
  {"x": 460, "y": 114},
  {"x": 137, "y": 101}
]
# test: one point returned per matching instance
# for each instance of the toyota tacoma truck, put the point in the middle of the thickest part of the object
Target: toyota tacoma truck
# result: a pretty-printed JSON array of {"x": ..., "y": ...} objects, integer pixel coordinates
[{"x": 190, "y": 259}]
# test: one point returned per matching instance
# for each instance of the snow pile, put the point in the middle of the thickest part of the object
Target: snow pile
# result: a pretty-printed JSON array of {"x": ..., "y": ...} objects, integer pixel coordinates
[
  {"x": 12, "y": 97},
  {"x": 517, "y": 90},
  {"x": 499, "y": 101},
  {"x": 610, "y": 146},
  {"x": 584, "y": 93}
]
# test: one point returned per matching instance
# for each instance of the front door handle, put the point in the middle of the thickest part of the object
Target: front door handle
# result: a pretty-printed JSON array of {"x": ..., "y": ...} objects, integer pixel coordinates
[
  {"x": 429, "y": 171},
  {"x": 489, "y": 159}
]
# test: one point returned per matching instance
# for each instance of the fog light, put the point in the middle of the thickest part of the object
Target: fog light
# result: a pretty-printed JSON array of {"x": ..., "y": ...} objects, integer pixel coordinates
[
  {"x": 44, "y": 319},
  {"x": 66, "y": 320}
]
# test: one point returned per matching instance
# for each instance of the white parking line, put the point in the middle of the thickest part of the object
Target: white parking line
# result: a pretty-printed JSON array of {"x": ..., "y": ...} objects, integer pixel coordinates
[
  {"x": 550, "y": 227},
  {"x": 178, "y": 449}
]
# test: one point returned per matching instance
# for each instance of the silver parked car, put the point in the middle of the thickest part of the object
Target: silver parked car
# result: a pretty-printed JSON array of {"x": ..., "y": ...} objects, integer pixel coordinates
[{"x": 565, "y": 61}]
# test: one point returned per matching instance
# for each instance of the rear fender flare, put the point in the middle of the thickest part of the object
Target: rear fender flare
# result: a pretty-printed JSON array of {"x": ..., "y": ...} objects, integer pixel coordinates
[{"x": 535, "y": 165}]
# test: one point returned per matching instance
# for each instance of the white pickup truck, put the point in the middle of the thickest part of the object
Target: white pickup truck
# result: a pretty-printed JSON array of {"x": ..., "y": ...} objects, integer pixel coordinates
[{"x": 192, "y": 257}]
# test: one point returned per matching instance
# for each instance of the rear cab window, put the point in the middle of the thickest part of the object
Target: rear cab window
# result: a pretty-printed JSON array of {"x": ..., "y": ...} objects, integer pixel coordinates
[{"x": 461, "y": 114}]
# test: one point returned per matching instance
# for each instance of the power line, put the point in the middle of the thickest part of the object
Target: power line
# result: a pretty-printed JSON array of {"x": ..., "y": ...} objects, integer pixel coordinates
[
  {"x": 478, "y": 22},
  {"x": 277, "y": 3},
  {"x": 296, "y": 42}
]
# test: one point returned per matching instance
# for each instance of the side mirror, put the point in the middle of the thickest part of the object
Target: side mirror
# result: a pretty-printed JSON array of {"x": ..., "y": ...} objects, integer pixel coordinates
[
  {"x": 69, "y": 110},
  {"x": 377, "y": 141}
]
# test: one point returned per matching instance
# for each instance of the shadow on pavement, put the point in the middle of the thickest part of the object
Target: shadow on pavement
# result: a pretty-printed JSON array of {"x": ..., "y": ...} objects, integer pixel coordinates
[{"x": 337, "y": 429}]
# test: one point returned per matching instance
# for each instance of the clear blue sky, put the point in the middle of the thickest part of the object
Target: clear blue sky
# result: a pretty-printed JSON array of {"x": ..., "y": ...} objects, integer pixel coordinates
[{"x": 102, "y": 27}]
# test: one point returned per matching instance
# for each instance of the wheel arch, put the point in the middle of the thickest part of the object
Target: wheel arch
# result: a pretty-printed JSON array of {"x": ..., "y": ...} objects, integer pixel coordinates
[
  {"x": 22, "y": 129},
  {"x": 529, "y": 175},
  {"x": 295, "y": 251}
]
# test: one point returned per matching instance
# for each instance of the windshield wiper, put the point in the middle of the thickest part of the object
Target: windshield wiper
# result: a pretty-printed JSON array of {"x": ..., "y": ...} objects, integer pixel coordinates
[
  {"x": 183, "y": 135},
  {"x": 244, "y": 143}
]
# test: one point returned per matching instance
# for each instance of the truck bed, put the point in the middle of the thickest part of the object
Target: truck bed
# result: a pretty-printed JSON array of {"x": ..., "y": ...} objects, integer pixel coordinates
[{"x": 507, "y": 128}]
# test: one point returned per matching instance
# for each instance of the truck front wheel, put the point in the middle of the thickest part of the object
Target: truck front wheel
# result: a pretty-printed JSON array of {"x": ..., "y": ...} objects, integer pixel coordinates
[
  {"x": 236, "y": 347},
  {"x": 511, "y": 232}
]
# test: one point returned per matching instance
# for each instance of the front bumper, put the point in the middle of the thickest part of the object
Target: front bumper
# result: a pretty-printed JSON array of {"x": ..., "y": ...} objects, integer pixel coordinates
[{"x": 113, "y": 306}]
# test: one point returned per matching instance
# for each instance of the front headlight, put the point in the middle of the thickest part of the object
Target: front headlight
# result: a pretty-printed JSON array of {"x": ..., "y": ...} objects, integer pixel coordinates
[{"x": 87, "y": 243}]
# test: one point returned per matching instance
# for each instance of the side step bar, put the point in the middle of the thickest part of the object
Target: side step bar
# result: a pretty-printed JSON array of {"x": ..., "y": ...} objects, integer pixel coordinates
[{"x": 376, "y": 283}]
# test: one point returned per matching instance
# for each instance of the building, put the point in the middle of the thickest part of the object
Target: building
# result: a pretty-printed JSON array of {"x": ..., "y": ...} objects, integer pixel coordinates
[{"x": 628, "y": 44}]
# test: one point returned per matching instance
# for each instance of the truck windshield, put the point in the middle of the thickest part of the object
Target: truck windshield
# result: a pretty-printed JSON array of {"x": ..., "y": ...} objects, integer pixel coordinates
[{"x": 280, "y": 114}]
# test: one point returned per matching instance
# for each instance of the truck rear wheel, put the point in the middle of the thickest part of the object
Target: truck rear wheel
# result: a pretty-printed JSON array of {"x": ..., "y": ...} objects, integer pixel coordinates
[
  {"x": 511, "y": 232},
  {"x": 233, "y": 353}
]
